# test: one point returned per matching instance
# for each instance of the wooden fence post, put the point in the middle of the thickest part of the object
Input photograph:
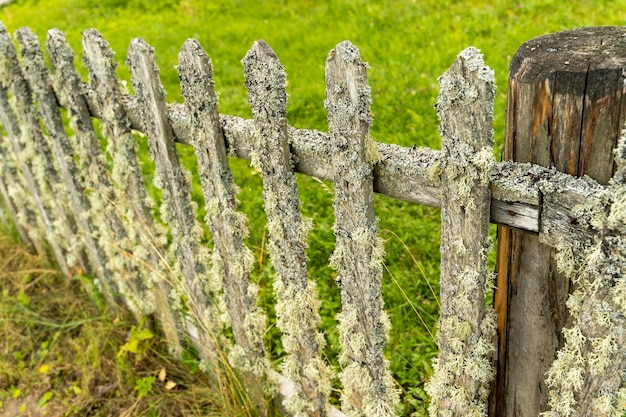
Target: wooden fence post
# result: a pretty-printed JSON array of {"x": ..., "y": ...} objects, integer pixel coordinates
[{"x": 566, "y": 107}]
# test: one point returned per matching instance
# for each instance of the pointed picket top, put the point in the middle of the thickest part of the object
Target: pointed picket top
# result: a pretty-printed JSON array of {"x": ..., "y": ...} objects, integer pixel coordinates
[
  {"x": 297, "y": 305},
  {"x": 369, "y": 389},
  {"x": 463, "y": 371}
]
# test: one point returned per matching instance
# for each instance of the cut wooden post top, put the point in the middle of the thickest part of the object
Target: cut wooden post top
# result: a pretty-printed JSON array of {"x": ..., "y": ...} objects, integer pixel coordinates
[{"x": 583, "y": 49}]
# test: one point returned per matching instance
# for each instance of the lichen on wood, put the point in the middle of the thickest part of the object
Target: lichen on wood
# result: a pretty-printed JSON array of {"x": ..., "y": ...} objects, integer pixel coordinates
[
  {"x": 297, "y": 305},
  {"x": 19, "y": 200},
  {"x": 232, "y": 259},
  {"x": 463, "y": 370},
  {"x": 369, "y": 389},
  {"x": 19, "y": 117},
  {"x": 37, "y": 76},
  {"x": 200, "y": 287},
  {"x": 130, "y": 191},
  {"x": 116, "y": 236},
  {"x": 589, "y": 372}
]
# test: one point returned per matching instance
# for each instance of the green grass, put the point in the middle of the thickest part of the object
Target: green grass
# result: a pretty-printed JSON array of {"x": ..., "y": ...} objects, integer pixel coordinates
[{"x": 408, "y": 45}]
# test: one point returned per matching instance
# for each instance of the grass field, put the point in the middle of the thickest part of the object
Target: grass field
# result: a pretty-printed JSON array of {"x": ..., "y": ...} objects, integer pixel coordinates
[{"x": 408, "y": 44}]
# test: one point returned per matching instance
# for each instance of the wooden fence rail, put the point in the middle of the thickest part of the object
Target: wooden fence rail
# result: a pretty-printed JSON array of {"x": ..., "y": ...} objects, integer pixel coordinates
[{"x": 97, "y": 218}]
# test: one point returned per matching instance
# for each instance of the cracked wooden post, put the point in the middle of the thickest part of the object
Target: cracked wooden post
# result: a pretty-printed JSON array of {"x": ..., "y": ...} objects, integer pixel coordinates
[
  {"x": 369, "y": 389},
  {"x": 232, "y": 260},
  {"x": 566, "y": 106},
  {"x": 201, "y": 288},
  {"x": 297, "y": 306},
  {"x": 31, "y": 150},
  {"x": 126, "y": 174},
  {"x": 463, "y": 371},
  {"x": 36, "y": 73}
]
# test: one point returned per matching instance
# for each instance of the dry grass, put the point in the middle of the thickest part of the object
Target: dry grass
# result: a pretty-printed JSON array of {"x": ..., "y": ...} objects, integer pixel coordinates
[{"x": 62, "y": 355}]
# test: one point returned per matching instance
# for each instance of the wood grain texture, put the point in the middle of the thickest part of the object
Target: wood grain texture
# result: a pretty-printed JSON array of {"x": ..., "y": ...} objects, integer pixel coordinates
[
  {"x": 565, "y": 110},
  {"x": 463, "y": 370}
]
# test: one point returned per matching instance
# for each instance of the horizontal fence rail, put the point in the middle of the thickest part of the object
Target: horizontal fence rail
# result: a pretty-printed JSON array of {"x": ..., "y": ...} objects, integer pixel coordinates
[
  {"x": 409, "y": 174},
  {"x": 97, "y": 218}
]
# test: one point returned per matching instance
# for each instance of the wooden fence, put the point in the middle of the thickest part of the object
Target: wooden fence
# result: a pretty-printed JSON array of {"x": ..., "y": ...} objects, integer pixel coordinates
[{"x": 95, "y": 216}]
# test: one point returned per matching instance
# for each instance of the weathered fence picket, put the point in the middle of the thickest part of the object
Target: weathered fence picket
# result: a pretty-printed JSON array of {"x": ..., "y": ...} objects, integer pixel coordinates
[
  {"x": 232, "y": 260},
  {"x": 36, "y": 73},
  {"x": 464, "y": 370},
  {"x": 368, "y": 388},
  {"x": 128, "y": 181},
  {"x": 96, "y": 183},
  {"x": 76, "y": 200},
  {"x": 297, "y": 306}
]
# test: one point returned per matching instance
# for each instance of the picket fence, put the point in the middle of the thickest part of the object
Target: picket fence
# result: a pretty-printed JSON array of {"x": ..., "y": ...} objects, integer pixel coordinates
[{"x": 95, "y": 216}]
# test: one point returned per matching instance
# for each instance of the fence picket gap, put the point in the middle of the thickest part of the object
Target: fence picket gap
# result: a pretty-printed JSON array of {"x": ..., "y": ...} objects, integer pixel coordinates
[
  {"x": 128, "y": 180},
  {"x": 232, "y": 260},
  {"x": 363, "y": 325},
  {"x": 176, "y": 208},
  {"x": 463, "y": 370},
  {"x": 297, "y": 306}
]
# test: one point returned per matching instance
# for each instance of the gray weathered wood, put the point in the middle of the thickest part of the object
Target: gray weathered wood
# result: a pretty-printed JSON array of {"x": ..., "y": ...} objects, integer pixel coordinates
[
  {"x": 31, "y": 151},
  {"x": 297, "y": 306},
  {"x": 36, "y": 73},
  {"x": 105, "y": 211},
  {"x": 463, "y": 371},
  {"x": 232, "y": 260},
  {"x": 128, "y": 182},
  {"x": 368, "y": 388},
  {"x": 565, "y": 110},
  {"x": 200, "y": 288}
]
